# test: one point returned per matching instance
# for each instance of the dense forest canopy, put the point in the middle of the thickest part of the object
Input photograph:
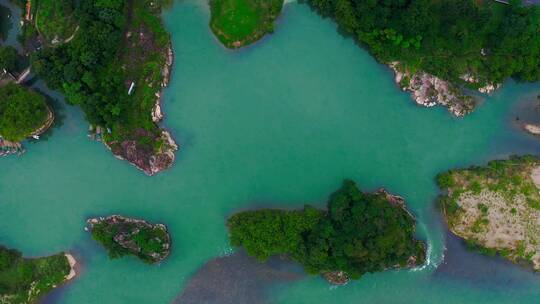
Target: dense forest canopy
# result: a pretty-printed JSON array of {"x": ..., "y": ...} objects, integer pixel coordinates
[
  {"x": 85, "y": 69},
  {"x": 22, "y": 111},
  {"x": 8, "y": 58},
  {"x": 449, "y": 38},
  {"x": 360, "y": 232}
]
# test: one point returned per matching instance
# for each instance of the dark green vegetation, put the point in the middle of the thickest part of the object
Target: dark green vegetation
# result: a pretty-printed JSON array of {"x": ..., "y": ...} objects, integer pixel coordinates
[
  {"x": 118, "y": 42},
  {"x": 360, "y": 233},
  {"x": 55, "y": 19},
  {"x": 240, "y": 22},
  {"x": 22, "y": 112},
  {"x": 495, "y": 208},
  {"x": 27, "y": 280},
  {"x": 8, "y": 58},
  {"x": 448, "y": 38},
  {"x": 123, "y": 236}
]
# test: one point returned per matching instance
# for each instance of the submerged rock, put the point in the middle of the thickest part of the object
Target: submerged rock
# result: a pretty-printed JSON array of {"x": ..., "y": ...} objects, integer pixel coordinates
[{"x": 122, "y": 236}]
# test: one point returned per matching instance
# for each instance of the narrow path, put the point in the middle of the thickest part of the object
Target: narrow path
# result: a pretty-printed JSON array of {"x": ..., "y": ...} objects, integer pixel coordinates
[{"x": 23, "y": 76}]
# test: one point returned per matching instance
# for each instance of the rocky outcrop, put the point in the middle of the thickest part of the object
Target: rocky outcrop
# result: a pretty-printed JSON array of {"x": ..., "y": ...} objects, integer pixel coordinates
[
  {"x": 122, "y": 236},
  {"x": 8, "y": 147},
  {"x": 146, "y": 158},
  {"x": 157, "y": 114},
  {"x": 336, "y": 277},
  {"x": 533, "y": 129},
  {"x": 428, "y": 90},
  {"x": 486, "y": 89}
]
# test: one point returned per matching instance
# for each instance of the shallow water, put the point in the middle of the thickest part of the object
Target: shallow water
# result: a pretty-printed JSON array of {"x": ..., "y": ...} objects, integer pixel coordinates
[{"x": 280, "y": 123}]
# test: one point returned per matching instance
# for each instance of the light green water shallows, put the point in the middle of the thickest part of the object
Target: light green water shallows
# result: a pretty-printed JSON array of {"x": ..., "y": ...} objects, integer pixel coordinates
[{"x": 280, "y": 123}]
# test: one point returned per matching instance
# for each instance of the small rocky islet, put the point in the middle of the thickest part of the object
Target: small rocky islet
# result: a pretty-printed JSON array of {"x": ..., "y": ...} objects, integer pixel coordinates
[
  {"x": 496, "y": 208},
  {"x": 123, "y": 236},
  {"x": 378, "y": 223}
]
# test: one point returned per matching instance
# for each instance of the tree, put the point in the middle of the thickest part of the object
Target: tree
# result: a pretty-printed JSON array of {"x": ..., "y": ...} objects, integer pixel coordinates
[
  {"x": 8, "y": 58},
  {"x": 22, "y": 111}
]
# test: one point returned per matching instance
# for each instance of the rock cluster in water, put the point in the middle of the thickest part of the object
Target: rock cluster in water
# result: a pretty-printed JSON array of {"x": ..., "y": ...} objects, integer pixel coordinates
[
  {"x": 122, "y": 236},
  {"x": 429, "y": 90}
]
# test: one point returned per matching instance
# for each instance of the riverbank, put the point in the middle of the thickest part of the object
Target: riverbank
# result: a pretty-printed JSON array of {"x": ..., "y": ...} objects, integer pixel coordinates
[{"x": 495, "y": 208}]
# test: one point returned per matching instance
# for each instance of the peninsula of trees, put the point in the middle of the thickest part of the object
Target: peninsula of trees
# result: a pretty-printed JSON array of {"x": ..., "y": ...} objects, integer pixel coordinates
[
  {"x": 357, "y": 234},
  {"x": 496, "y": 208},
  {"x": 127, "y": 236},
  {"x": 24, "y": 280},
  {"x": 440, "y": 46},
  {"x": 113, "y": 65},
  {"x": 22, "y": 112},
  {"x": 237, "y": 23}
]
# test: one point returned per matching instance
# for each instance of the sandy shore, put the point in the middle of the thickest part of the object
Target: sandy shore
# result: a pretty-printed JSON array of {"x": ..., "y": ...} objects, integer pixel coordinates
[{"x": 72, "y": 262}]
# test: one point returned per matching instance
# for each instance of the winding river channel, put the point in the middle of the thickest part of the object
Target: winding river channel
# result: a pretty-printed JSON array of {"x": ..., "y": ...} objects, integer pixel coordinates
[{"x": 280, "y": 123}]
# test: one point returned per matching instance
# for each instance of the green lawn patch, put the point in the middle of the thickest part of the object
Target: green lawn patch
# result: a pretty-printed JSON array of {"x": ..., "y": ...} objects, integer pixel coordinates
[
  {"x": 55, "y": 19},
  {"x": 237, "y": 23}
]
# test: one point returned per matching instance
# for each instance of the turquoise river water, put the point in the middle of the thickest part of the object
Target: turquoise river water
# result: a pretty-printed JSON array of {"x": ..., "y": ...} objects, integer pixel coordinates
[{"x": 280, "y": 123}]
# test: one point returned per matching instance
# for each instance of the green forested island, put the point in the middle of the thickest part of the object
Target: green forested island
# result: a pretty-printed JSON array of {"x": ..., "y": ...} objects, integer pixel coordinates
[
  {"x": 23, "y": 113},
  {"x": 237, "y": 23},
  {"x": 358, "y": 233},
  {"x": 124, "y": 236},
  {"x": 496, "y": 208},
  {"x": 24, "y": 280}
]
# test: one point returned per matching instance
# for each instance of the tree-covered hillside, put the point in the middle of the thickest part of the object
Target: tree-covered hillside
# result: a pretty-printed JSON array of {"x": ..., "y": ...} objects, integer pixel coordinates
[{"x": 448, "y": 38}]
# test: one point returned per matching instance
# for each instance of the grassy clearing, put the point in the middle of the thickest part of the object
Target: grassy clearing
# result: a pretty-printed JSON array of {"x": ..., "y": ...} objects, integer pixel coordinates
[
  {"x": 55, "y": 19},
  {"x": 27, "y": 280},
  {"x": 240, "y": 22},
  {"x": 496, "y": 207}
]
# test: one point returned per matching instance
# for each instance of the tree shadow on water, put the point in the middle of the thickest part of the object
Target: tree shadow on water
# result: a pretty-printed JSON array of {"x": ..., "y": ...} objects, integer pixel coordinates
[{"x": 237, "y": 279}]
